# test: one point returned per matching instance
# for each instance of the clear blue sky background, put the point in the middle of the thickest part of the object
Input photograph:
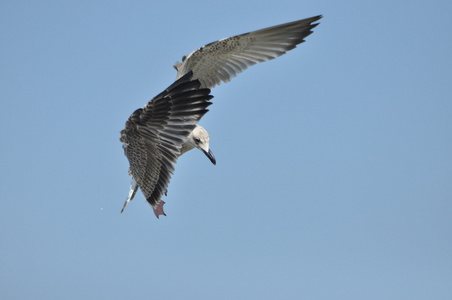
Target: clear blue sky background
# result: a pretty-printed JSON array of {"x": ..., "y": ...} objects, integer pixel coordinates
[{"x": 334, "y": 173}]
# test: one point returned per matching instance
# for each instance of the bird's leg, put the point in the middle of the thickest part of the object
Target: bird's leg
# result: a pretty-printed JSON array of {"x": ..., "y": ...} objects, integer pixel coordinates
[{"x": 133, "y": 190}]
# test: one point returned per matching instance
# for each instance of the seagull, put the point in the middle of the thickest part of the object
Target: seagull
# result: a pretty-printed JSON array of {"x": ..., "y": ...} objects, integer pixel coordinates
[{"x": 156, "y": 135}]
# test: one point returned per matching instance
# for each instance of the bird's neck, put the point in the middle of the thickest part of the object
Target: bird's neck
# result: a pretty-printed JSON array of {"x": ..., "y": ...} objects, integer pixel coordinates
[{"x": 187, "y": 146}]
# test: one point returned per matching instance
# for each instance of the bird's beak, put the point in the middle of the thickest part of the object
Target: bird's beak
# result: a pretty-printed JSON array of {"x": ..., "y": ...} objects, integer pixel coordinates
[{"x": 210, "y": 156}]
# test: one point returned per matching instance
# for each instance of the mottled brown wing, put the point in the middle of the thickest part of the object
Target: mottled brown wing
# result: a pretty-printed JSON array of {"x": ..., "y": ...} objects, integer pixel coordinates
[
  {"x": 154, "y": 135},
  {"x": 222, "y": 60}
]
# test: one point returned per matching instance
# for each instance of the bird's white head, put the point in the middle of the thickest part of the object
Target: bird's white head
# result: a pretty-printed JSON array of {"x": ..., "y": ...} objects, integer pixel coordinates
[{"x": 199, "y": 138}]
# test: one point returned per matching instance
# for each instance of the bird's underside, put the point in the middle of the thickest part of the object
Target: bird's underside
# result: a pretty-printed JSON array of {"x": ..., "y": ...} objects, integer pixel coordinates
[{"x": 156, "y": 135}]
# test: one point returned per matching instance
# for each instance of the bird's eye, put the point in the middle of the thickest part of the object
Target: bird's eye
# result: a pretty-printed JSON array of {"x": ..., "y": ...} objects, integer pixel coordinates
[{"x": 197, "y": 140}]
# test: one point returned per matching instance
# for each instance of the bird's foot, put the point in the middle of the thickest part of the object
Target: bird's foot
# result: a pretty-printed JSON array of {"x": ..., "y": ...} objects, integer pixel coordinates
[{"x": 158, "y": 208}]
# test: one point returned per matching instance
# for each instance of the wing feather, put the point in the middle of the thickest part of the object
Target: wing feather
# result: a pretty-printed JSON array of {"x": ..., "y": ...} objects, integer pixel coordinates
[
  {"x": 222, "y": 60},
  {"x": 153, "y": 136}
]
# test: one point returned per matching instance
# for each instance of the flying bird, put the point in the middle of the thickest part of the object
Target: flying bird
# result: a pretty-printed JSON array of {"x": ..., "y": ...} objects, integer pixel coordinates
[{"x": 166, "y": 127}]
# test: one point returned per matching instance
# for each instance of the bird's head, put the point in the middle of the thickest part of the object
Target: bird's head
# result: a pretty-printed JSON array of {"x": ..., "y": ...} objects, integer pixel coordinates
[{"x": 199, "y": 138}]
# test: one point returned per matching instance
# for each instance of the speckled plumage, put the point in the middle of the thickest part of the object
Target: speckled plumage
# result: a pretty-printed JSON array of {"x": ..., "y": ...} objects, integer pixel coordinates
[
  {"x": 154, "y": 135},
  {"x": 222, "y": 60}
]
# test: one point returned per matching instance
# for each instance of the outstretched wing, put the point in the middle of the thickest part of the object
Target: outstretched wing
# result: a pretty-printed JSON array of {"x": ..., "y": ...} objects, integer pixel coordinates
[
  {"x": 154, "y": 135},
  {"x": 222, "y": 60}
]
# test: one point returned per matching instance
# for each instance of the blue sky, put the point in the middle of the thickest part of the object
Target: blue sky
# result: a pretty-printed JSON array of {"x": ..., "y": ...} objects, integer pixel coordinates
[{"x": 334, "y": 170}]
